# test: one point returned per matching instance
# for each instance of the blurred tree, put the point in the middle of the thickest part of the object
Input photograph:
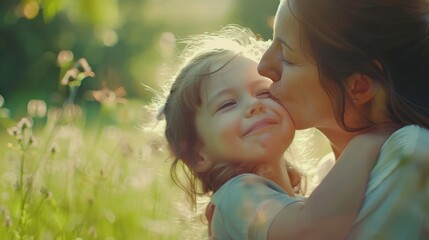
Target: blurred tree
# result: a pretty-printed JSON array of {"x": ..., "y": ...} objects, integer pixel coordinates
[
  {"x": 256, "y": 14},
  {"x": 124, "y": 41}
]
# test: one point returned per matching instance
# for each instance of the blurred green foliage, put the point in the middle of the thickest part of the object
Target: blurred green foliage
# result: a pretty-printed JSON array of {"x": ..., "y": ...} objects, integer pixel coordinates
[
  {"x": 123, "y": 40},
  {"x": 85, "y": 161}
]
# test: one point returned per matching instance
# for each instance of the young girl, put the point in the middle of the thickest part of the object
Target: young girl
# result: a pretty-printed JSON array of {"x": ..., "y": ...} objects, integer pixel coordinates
[{"x": 230, "y": 134}]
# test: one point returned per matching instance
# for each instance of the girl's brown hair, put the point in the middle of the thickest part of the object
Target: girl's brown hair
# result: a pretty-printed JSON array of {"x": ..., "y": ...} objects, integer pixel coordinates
[{"x": 201, "y": 53}]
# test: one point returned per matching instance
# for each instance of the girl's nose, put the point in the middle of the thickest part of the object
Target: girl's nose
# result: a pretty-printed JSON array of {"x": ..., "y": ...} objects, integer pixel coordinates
[{"x": 255, "y": 107}]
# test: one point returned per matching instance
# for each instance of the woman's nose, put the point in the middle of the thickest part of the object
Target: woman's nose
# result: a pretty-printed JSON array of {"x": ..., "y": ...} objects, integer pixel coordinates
[{"x": 269, "y": 66}]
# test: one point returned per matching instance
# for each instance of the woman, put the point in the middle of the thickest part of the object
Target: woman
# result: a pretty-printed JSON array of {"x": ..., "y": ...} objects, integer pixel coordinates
[
  {"x": 229, "y": 136},
  {"x": 346, "y": 67}
]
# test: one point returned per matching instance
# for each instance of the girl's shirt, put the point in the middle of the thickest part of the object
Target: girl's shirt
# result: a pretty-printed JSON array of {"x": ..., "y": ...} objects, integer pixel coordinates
[
  {"x": 396, "y": 201},
  {"x": 245, "y": 206}
]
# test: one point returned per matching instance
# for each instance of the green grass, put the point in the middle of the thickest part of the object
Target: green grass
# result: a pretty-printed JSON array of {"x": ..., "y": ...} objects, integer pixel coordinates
[{"x": 104, "y": 179}]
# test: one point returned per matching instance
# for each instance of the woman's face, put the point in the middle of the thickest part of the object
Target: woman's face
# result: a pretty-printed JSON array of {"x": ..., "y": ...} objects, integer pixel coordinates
[{"x": 295, "y": 76}]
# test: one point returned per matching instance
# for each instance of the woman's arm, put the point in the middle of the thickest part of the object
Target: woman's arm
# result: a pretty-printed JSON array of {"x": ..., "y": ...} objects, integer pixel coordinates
[{"x": 331, "y": 209}]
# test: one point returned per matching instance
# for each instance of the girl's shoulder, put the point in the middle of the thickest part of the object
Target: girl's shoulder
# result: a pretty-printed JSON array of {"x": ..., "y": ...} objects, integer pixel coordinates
[
  {"x": 251, "y": 187},
  {"x": 251, "y": 179},
  {"x": 240, "y": 203},
  {"x": 246, "y": 184}
]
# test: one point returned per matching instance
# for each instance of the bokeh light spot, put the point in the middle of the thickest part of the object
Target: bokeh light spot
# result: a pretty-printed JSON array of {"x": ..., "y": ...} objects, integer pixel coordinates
[{"x": 30, "y": 9}]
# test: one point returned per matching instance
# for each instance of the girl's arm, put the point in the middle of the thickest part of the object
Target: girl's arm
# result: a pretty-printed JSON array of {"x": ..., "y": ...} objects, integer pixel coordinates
[{"x": 331, "y": 209}]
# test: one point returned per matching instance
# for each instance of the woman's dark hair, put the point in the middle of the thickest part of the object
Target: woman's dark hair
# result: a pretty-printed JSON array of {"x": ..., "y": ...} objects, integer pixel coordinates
[{"x": 387, "y": 40}]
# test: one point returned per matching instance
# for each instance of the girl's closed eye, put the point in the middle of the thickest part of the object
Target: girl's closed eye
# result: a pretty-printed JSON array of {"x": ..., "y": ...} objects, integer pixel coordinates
[{"x": 226, "y": 104}]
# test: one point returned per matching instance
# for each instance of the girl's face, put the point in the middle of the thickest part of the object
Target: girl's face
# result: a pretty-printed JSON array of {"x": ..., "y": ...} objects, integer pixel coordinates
[
  {"x": 295, "y": 78},
  {"x": 238, "y": 121}
]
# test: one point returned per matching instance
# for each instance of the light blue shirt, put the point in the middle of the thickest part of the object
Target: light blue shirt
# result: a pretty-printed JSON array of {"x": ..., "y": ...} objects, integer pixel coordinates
[
  {"x": 245, "y": 206},
  {"x": 396, "y": 201}
]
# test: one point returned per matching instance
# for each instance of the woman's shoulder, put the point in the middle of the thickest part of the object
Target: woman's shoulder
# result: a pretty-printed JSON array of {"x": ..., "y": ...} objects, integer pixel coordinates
[
  {"x": 395, "y": 176},
  {"x": 410, "y": 140},
  {"x": 411, "y": 130},
  {"x": 409, "y": 144}
]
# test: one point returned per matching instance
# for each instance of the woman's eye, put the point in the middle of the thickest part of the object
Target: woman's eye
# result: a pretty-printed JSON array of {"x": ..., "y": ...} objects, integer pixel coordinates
[
  {"x": 226, "y": 105},
  {"x": 264, "y": 94},
  {"x": 285, "y": 61}
]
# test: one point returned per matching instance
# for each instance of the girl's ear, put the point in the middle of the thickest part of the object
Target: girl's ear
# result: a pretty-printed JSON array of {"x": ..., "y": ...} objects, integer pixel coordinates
[
  {"x": 361, "y": 88},
  {"x": 203, "y": 163}
]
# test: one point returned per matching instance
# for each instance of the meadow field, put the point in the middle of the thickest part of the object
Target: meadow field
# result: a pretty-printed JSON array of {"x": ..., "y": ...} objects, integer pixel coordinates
[{"x": 67, "y": 175}]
